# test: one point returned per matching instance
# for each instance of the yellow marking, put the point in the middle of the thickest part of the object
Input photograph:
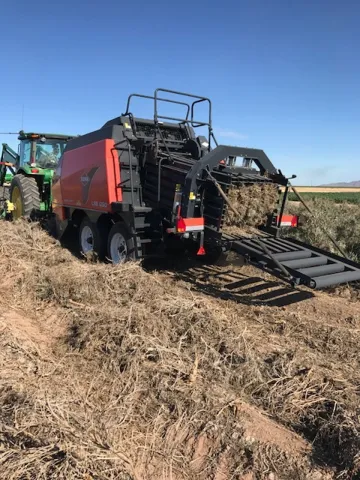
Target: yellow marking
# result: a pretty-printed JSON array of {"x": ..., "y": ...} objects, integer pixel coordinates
[
  {"x": 192, "y": 196},
  {"x": 17, "y": 202},
  {"x": 9, "y": 206}
]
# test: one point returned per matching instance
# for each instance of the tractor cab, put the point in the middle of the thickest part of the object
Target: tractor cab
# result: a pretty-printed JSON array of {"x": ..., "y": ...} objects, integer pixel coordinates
[
  {"x": 41, "y": 150},
  {"x": 35, "y": 151}
]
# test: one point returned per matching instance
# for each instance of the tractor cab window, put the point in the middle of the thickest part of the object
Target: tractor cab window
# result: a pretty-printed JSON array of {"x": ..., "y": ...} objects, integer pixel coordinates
[
  {"x": 48, "y": 154},
  {"x": 43, "y": 154},
  {"x": 25, "y": 152}
]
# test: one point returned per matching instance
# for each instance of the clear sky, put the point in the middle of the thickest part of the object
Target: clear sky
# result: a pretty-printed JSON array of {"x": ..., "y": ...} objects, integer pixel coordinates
[{"x": 283, "y": 75}]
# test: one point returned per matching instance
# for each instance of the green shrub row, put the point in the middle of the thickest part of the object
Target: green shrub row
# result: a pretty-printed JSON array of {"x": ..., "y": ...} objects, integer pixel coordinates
[{"x": 337, "y": 197}]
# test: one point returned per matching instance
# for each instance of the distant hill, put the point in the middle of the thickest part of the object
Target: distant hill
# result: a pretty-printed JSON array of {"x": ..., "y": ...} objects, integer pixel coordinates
[{"x": 356, "y": 183}]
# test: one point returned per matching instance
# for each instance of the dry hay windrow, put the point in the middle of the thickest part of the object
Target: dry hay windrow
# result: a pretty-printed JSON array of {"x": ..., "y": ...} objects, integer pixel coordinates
[
  {"x": 148, "y": 378},
  {"x": 342, "y": 223},
  {"x": 253, "y": 203}
]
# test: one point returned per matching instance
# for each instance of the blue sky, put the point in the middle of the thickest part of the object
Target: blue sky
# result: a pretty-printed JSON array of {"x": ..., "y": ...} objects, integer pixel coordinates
[{"x": 283, "y": 76}]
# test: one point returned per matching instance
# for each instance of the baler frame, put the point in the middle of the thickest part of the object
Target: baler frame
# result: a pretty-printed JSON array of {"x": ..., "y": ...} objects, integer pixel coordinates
[
  {"x": 154, "y": 183},
  {"x": 209, "y": 160}
]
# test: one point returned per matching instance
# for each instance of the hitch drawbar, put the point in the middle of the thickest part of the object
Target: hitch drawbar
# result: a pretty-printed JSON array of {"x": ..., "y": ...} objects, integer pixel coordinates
[{"x": 305, "y": 264}]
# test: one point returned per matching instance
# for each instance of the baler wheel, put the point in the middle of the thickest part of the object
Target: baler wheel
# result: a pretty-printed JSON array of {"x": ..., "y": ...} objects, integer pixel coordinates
[
  {"x": 91, "y": 239},
  {"x": 24, "y": 194},
  {"x": 120, "y": 244}
]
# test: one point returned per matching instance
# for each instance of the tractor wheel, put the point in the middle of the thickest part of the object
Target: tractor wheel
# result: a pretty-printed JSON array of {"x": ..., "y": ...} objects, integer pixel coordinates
[
  {"x": 24, "y": 195},
  {"x": 92, "y": 239},
  {"x": 120, "y": 244}
]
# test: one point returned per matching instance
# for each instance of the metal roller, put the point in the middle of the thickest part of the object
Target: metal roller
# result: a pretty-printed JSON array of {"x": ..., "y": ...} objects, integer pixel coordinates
[
  {"x": 336, "y": 279},
  {"x": 292, "y": 255},
  {"x": 307, "y": 262},
  {"x": 275, "y": 247},
  {"x": 322, "y": 270}
]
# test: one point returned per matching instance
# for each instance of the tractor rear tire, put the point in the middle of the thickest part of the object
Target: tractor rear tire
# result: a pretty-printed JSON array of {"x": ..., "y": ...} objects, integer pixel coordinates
[
  {"x": 24, "y": 194},
  {"x": 121, "y": 246},
  {"x": 92, "y": 239}
]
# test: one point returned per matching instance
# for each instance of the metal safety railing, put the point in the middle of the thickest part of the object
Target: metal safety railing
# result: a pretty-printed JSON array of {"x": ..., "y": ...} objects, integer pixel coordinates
[{"x": 189, "y": 117}]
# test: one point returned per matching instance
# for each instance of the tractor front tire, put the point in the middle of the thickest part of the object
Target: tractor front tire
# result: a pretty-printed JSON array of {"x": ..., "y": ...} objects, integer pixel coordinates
[
  {"x": 92, "y": 239},
  {"x": 24, "y": 195}
]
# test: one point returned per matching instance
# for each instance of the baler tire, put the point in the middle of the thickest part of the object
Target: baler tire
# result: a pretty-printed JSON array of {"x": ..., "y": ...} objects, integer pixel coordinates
[
  {"x": 121, "y": 235},
  {"x": 98, "y": 239},
  {"x": 24, "y": 194}
]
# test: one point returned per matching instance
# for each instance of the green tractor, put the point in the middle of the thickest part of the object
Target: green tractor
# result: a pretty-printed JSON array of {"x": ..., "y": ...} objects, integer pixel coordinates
[{"x": 26, "y": 176}]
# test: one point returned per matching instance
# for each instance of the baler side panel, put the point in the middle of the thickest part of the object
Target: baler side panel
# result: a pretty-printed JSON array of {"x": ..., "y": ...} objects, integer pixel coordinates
[{"x": 90, "y": 177}]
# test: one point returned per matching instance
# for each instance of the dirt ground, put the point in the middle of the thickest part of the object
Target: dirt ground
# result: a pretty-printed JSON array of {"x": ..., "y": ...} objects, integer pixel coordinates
[{"x": 181, "y": 372}]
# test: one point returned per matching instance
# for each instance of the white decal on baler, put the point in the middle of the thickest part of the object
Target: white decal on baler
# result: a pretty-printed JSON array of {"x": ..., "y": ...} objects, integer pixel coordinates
[{"x": 95, "y": 203}]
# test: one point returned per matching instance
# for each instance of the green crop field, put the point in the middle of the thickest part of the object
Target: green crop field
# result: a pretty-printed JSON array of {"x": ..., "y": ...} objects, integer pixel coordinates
[{"x": 337, "y": 197}]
